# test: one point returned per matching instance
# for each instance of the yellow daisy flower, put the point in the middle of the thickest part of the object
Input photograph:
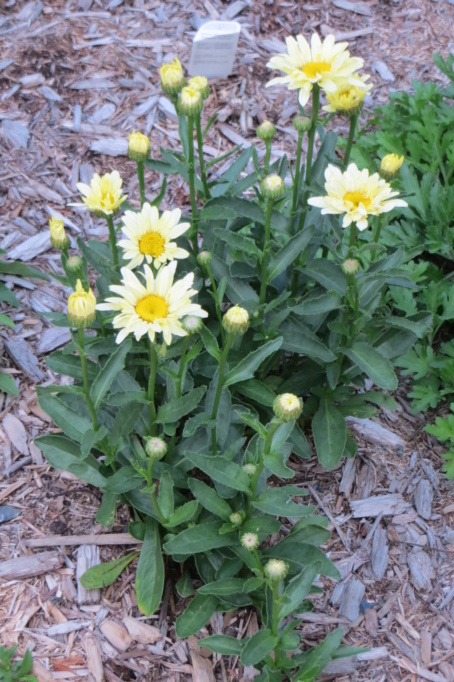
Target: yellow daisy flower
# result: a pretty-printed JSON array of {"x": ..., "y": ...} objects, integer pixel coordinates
[
  {"x": 104, "y": 194},
  {"x": 348, "y": 98},
  {"x": 325, "y": 63},
  {"x": 149, "y": 237},
  {"x": 356, "y": 194},
  {"x": 153, "y": 308}
]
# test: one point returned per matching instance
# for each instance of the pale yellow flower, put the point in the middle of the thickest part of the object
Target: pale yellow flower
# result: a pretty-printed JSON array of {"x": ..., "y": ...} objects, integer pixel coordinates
[
  {"x": 191, "y": 101},
  {"x": 236, "y": 320},
  {"x": 81, "y": 307},
  {"x": 357, "y": 195},
  {"x": 348, "y": 98},
  {"x": 201, "y": 84},
  {"x": 58, "y": 236},
  {"x": 327, "y": 64},
  {"x": 139, "y": 146},
  {"x": 104, "y": 194},
  {"x": 149, "y": 236},
  {"x": 172, "y": 77},
  {"x": 154, "y": 307},
  {"x": 390, "y": 166}
]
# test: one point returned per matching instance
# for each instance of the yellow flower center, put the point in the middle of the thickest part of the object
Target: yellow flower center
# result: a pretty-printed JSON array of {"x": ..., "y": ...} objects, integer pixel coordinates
[
  {"x": 152, "y": 307},
  {"x": 357, "y": 198},
  {"x": 152, "y": 244},
  {"x": 314, "y": 69}
]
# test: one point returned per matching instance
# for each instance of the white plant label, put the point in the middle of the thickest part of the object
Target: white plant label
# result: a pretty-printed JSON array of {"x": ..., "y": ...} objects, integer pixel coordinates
[{"x": 213, "y": 49}]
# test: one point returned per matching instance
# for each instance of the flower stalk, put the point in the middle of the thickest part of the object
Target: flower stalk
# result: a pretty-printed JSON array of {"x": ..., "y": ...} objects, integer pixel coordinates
[
  {"x": 140, "y": 175},
  {"x": 151, "y": 386},
  {"x": 296, "y": 180},
  {"x": 203, "y": 173},
  {"x": 112, "y": 240},
  {"x": 86, "y": 387},
  {"x": 217, "y": 397},
  {"x": 351, "y": 137},
  {"x": 266, "y": 244},
  {"x": 191, "y": 177},
  {"x": 312, "y": 129}
]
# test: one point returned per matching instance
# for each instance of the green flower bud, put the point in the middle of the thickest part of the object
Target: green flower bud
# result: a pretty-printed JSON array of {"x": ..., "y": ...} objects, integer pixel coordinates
[
  {"x": 192, "y": 324},
  {"x": 75, "y": 264},
  {"x": 204, "y": 258},
  {"x": 266, "y": 130},
  {"x": 155, "y": 448},
  {"x": 287, "y": 407},
  {"x": 190, "y": 102},
  {"x": 250, "y": 541},
  {"x": 302, "y": 124},
  {"x": 272, "y": 187},
  {"x": 237, "y": 518},
  {"x": 350, "y": 266},
  {"x": 276, "y": 569},
  {"x": 236, "y": 321},
  {"x": 249, "y": 469}
]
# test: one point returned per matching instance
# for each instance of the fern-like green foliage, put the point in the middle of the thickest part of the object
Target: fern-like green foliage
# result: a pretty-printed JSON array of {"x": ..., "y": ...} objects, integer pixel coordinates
[{"x": 443, "y": 429}]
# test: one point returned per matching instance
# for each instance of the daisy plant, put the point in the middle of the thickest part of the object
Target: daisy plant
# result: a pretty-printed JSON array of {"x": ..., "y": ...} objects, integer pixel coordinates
[{"x": 245, "y": 328}]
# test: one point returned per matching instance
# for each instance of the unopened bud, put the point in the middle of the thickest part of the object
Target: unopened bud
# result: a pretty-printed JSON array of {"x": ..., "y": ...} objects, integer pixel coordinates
[
  {"x": 237, "y": 518},
  {"x": 276, "y": 569},
  {"x": 139, "y": 146},
  {"x": 204, "y": 258},
  {"x": 350, "y": 266},
  {"x": 273, "y": 187},
  {"x": 81, "y": 307},
  {"x": 172, "y": 78},
  {"x": 390, "y": 166},
  {"x": 266, "y": 130},
  {"x": 75, "y": 265},
  {"x": 302, "y": 124},
  {"x": 201, "y": 84},
  {"x": 192, "y": 324},
  {"x": 250, "y": 541},
  {"x": 236, "y": 321},
  {"x": 58, "y": 237},
  {"x": 287, "y": 407},
  {"x": 190, "y": 102},
  {"x": 249, "y": 469},
  {"x": 155, "y": 448}
]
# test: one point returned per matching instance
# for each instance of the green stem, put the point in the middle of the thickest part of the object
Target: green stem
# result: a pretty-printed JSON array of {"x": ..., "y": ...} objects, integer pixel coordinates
[
  {"x": 296, "y": 180},
  {"x": 182, "y": 365},
  {"x": 353, "y": 235},
  {"x": 203, "y": 172},
  {"x": 217, "y": 398},
  {"x": 275, "y": 620},
  {"x": 191, "y": 177},
  {"x": 154, "y": 501},
  {"x": 151, "y": 386},
  {"x": 113, "y": 240},
  {"x": 351, "y": 137},
  {"x": 312, "y": 129},
  {"x": 264, "y": 279},
  {"x": 376, "y": 234},
  {"x": 83, "y": 362},
  {"x": 261, "y": 465},
  {"x": 266, "y": 163},
  {"x": 140, "y": 175}
]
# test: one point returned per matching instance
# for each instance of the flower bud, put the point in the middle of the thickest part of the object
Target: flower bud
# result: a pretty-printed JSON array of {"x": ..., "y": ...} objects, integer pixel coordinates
[
  {"x": 237, "y": 518},
  {"x": 190, "y": 102},
  {"x": 272, "y": 187},
  {"x": 236, "y": 321},
  {"x": 350, "y": 266},
  {"x": 287, "y": 407},
  {"x": 192, "y": 324},
  {"x": 201, "y": 84},
  {"x": 139, "y": 146},
  {"x": 249, "y": 469},
  {"x": 266, "y": 130},
  {"x": 204, "y": 258},
  {"x": 81, "y": 307},
  {"x": 172, "y": 78},
  {"x": 155, "y": 448},
  {"x": 75, "y": 265},
  {"x": 250, "y": 541},
  {"x": 276, "y": 569},
  {"x": 58, "y": 237},
  {"x": 302, "y": 124},
  {"x": 390, "y": 166}
]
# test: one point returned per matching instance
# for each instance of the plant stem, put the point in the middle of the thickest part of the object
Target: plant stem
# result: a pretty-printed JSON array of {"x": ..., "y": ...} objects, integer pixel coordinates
[
  {"x": 353, "y": 235},
  {"x": 113, "y": 240},
  {"x": 266, "y": 451},
  {"x": 182, "y": 365},
  {"x": 203, "y": 173},
  {"x": 296, "y": 181},
  {"x": 83, "y": 362},
  {"x": 275, "y": 620},
  {"x": 140, "y": 175},
  {"x": 351, "y": 137},
  {"x": 266, "y": 163},
  {"x": 191, "y": 177},
  {"x": 217, "y": 398},
  {"x": 376, "y": 234},
  {"x": 154, "y": 501},
  {"x": 312, "y": 129},
  {"x": 216, "y": 299},
  {"x": 264, "y": 279},
  {"x": 151, "y": 386}
]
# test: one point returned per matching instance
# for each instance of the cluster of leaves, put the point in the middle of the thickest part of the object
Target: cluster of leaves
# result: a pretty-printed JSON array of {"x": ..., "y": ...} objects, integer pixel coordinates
[
  {"x": 18, "y": 671},
  {"x": 7, "y": 297},
  {"x": 420, "y": 125}
]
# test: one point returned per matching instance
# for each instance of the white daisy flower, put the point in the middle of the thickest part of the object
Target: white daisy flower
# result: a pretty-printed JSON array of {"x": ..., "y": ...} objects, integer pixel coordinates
[
  {"x": 149, "y": 236},
  {"x": 153, "y": 308}
]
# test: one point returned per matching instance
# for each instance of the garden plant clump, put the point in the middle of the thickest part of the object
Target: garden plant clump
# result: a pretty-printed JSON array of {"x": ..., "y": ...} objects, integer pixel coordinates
[{"x": 209, "y": 352}]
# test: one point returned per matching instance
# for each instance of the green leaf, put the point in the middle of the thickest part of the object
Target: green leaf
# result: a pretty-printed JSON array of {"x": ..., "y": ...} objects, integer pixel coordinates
[
  {"x": 246, "y": 368},
  {"x": 209, "y": 499},
  {"x": 328, "y": 274},
  {"x": 106, "y": 512},
  {"x": 109, "y": 372},
  {"x": 6, "y": 321},
  {"x": 165, "y": 495},
  {"x": 318, "y": 304},
  {"x": 300, "y": 339},
  {"x": 103, "y": 575},
  {"x": 223, "y": 587},
  {"x": 258, "y": 647},
  {"x": 290, "y": 252},
  {"x": 173, "y": 411},
  {"x": 330, "y": 433},
  {"x": 373, "y": 364},
  {"x": 200, "y": 538},
  {"x": 197, "y": 614},
  {"x": 257, "y": 391},
  {"x": 276, "y": 501},
  {"x": 90, "y": 439},
  {"x": 123, "y": 480},
  {"x": 210, "y": 343},
  {"x": 297, "y": 590},
  {"x": 183, "y": 514},
  {"x": 222, "y": 644},
  {"x": 150, "y": 570},
  {"x": 318, "y": 657},
  {"x": 63, "y": 453},
  {"x": 15, "y": 268},
  {"x": 7, "y": 384},
  {"x": 298, "y": 554},
  {"x": 238, "y": 241},
  {"x": 69, "y": 364},
  {"x": 72, "y": 423},
  {"x": 220, "y": 470}
]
